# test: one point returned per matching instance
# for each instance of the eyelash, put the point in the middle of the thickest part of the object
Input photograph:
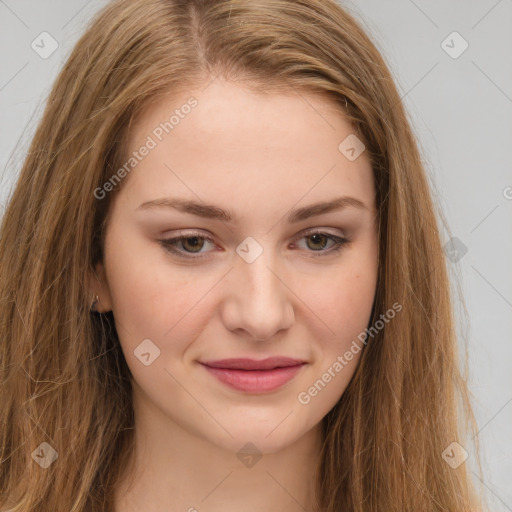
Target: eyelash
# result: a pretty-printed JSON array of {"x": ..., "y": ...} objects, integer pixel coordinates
[{"x": 168, "y": 244}]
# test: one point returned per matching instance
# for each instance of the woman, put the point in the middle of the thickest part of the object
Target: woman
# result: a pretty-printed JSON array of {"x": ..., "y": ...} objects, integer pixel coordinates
[{"x": 173, "y": 336}]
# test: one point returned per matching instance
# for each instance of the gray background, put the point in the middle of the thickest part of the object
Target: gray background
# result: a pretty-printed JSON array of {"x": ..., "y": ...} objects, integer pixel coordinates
[{"x": 460, "y": 109}]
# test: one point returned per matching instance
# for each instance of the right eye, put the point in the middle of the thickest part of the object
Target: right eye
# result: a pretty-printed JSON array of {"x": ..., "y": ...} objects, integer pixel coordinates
[{"x": 189, "y": 241}]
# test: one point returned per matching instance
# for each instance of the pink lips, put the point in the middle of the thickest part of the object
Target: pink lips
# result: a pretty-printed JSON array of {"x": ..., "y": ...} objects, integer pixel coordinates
[{"x": 255, "y": 376}]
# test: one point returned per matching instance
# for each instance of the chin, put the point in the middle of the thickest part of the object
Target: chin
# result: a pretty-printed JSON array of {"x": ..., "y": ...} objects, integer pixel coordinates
[{"x": 261, "y": 440}]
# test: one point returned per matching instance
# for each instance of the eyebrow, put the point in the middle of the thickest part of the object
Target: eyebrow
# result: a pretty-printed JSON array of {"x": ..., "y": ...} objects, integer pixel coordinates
[{"x": 210, "y": 211}]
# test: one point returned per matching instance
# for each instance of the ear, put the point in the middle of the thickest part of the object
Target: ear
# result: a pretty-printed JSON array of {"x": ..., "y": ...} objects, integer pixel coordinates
[{"x": 98, "y": 285}]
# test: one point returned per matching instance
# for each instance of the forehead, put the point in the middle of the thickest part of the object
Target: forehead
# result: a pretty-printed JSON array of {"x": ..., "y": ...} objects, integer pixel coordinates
[
  {"x": 229, "y": 112},
  {"x": 235, "y": 143}
]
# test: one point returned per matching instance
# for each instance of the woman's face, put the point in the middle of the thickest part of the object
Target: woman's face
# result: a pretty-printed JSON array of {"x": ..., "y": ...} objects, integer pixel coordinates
[{"x": 259, "y": 284}]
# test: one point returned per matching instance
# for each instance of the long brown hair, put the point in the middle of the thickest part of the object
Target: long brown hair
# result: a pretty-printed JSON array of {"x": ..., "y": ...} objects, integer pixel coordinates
[{"x": 64, "y": 380}]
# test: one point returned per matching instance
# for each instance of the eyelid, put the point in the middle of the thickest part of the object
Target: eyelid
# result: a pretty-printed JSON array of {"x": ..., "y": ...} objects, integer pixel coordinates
[
  {"x": 340, "y": 240},
  {"x": 320, "y": 231}
]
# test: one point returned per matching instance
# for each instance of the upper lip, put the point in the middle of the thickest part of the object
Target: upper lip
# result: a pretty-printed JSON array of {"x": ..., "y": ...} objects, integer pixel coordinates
[{"x": 254, "y": 364}]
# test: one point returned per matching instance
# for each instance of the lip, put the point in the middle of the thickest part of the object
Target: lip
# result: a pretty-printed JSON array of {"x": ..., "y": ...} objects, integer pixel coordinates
[
  {"x": 254, "y": 364},
  {"x": 255, "y": 376}
]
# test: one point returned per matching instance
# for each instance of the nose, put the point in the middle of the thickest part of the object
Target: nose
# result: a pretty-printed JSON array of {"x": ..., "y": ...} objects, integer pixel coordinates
[{"x": 259, "y": 299}]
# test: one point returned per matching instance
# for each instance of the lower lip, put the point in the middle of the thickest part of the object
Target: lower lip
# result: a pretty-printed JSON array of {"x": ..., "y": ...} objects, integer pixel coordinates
[{"x": 255, "y": 381}]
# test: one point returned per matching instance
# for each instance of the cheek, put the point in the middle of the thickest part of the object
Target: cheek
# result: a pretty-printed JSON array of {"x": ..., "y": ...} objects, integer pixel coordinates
[
  {"x": 153, "y": 299},
  {"x": 345, "y": 307},
  {"x": 343, "y": 300}
]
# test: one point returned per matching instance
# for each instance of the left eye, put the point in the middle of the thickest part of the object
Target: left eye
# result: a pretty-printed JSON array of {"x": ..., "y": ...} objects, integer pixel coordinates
[{"x": 194, "y": 242}]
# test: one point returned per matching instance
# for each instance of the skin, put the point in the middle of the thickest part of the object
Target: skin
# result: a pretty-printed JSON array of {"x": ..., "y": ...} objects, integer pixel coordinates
[{"x": 281, "y": 154}]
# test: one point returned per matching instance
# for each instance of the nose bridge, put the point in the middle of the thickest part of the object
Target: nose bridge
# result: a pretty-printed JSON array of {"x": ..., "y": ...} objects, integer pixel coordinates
[
  {"x": 261, "y": 279},
  {"x": 261, "y": 300}
]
